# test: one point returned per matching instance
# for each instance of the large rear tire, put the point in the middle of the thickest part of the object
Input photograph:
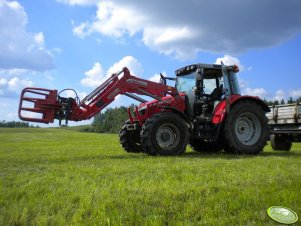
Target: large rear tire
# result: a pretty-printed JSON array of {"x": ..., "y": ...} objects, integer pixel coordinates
[
  {"x": 130, "y": 139},
  {"x": 203, "y": 146},
  {"x": 246, "y": 129},
  {"x": 280, "y": 143},
  {"x": 164, "y": 134}
]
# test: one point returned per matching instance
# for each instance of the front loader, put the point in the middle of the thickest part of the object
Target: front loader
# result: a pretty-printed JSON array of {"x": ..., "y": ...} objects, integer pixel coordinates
[{"x": 205, "y": 110}]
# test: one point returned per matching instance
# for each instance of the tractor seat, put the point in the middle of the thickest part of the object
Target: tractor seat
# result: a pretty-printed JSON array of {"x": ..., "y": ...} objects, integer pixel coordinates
[{"x": 216, "y": 94}]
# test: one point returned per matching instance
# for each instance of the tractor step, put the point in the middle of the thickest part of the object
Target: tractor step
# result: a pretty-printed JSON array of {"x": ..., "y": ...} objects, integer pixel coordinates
[{"x": 38, "y": 105}]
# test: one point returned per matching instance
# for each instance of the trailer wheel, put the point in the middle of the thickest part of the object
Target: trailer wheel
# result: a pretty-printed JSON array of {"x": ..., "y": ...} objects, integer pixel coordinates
[
  {"x": 164, "y": 134},
  {"x": 280, "y": 143},
  {"x": 201, "y": 145},
  {"x": 130, "y": 139},
  {"x": 245, "y": 129}
]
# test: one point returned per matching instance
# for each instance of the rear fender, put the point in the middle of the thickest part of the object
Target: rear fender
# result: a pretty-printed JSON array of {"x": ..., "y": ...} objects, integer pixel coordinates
[{"x": 220, "y": 111}]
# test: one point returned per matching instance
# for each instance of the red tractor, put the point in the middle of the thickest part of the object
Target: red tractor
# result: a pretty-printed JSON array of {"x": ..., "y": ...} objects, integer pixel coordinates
[{"x": 205, "y": 110}]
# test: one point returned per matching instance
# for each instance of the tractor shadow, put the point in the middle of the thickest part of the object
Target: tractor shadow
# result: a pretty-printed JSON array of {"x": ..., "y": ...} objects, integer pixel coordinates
[
  {"x": 225, "y": 155},
  {"x": 219, "y": 155},
  {"x": 186, "y": 155},
  {"x": 281, "y": 154}
]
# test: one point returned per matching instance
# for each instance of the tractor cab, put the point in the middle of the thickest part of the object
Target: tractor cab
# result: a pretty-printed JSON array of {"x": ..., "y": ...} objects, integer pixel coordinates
[{"x": 205, "y": 85}]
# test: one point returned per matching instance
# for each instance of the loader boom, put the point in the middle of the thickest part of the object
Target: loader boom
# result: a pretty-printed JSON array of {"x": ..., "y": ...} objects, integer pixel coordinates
[{"x": 46, "y": 105}]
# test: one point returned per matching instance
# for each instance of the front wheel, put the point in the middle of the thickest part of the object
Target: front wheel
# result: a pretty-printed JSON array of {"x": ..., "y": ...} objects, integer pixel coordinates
[
  {"x": 164, "y": 134},
  {"x": 245, "y": 129},
  {"x": 130, "y": 139}
]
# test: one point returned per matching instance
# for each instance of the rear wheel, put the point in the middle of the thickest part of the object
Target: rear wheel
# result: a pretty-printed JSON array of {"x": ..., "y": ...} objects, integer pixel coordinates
[
  {"x": 201, "y": 145},
  {"x": 246, "y": 129},
  {"x": 130, "y": 139},
  {"x": 280, "y": 143},
  {"x": 164, "y": 134}
]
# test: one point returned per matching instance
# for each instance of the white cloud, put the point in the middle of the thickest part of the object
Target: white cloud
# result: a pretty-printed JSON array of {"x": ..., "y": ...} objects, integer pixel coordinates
[
  {"x": 96, "y": 76},
  {"x": 157, "y": 77},
  {"x": 260, "y": 92},
  {"x": 130, "y": 62},
  {"x": 116, "y": 21},
  {"x": 184, "y": 28},
  {"x": 169, "y": 40},
  {"x": 12, "y": 86},
  {"x": 230, "y": 60},
  {"x": 242, "y": 83},
  {"x": 4, "y": 104},
  {"x": 13, "y": 72},
  {"x": 81, "y": 30},
  {"x": 78, "y": 2},
  {"x": 19, "y": 48},
  {"x": 280, "y": 94},
  {"x": 295, "y": 93},
  {"x": 39, "y": 39}
]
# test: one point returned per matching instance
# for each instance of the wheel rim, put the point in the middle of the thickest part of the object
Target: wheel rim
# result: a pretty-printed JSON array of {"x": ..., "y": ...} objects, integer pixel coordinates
[
  {"x": 248, "y": 128},
  {"x": 168, "y": 136}
]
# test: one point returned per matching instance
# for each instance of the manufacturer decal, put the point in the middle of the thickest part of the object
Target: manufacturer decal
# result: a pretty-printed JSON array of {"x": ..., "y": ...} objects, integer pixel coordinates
[
  {"x": 114, "y": 93},
  {"x": 131, "y": 80}
]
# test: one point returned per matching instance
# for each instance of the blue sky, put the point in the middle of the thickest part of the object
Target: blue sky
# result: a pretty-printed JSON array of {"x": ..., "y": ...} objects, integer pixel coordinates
[{"x": 61, "y": 44}]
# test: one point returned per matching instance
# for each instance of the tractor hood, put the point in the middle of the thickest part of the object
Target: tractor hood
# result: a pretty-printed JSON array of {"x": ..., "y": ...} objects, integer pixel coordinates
[{"x": 167, "y": 101}]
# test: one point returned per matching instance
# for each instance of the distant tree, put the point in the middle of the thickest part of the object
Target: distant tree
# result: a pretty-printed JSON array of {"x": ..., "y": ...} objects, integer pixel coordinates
[
  {"x": 268, "y": 102},
  {"x": 276, "y": 102},
  {"x": 13, "y": 124},
  {"x": 111, "y": 120},
  {"x": 282, "y": 101},
  {"x": 290, "y": 101}
]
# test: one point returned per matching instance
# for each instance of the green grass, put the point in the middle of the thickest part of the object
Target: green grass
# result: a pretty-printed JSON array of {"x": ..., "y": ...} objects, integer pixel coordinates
[
  {"x": 64, "y": 177},
  {"x": 80, "y": 128}
]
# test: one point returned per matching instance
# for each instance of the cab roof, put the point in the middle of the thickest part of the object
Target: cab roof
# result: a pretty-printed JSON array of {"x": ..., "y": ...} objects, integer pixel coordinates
[{"x": 210, "y": 70}]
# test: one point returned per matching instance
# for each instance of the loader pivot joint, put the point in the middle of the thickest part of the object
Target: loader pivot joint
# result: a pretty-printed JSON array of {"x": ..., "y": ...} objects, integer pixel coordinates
[{"x": 66, "y": 110}]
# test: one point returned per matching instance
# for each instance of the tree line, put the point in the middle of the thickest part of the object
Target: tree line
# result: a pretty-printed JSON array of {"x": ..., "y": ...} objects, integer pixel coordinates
[
  {"x": 13, "y": 124},
  {"x": 277, "y": 102},
  {"x": 111, "y": 120}
]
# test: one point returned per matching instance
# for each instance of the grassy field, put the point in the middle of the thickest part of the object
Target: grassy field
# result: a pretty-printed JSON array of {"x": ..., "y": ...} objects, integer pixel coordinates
[{"x": 65, "y": 177}]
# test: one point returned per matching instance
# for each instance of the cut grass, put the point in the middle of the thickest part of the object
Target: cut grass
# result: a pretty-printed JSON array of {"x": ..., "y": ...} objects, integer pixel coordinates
[{"x": 63, "y": 177}]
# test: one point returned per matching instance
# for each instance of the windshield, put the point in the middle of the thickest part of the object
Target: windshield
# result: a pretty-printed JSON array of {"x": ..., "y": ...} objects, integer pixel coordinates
[{"x": 185, "y": 83}]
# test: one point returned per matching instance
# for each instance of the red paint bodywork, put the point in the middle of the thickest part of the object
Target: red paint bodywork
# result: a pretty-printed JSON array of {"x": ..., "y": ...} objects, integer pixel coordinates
[
  {"x": 48, "y": 106},
  {"x": 146, "y": 110}
]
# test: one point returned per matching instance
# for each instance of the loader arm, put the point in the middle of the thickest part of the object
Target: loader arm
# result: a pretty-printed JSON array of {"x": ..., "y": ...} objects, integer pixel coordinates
[{"x": 46, "y": 105}]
